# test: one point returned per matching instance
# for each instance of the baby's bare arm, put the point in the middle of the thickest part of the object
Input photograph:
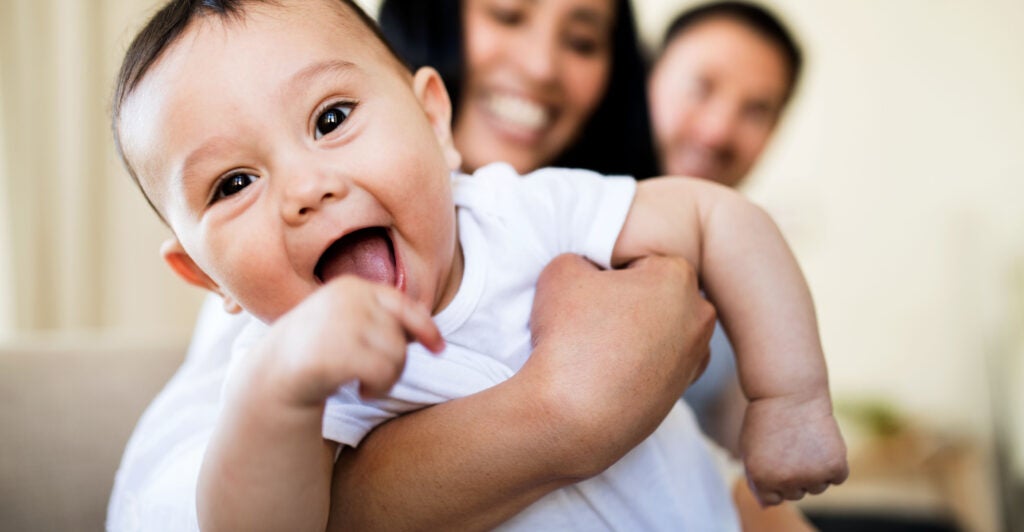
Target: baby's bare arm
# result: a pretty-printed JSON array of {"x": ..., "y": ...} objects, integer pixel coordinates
[
  {"x": 747, "y": 271},
  {"x": 267, "y": 466},
  {"x": 750, "y": 275}
]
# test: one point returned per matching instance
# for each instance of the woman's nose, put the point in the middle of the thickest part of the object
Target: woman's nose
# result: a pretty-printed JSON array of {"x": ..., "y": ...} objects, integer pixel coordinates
[
  {"x": 538, "y": 56},
  {"x": 307, "y": 193}
]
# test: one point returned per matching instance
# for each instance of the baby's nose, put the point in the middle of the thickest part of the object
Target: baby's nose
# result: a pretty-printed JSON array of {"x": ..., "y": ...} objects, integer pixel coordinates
[{"x": 305, "y": 196}]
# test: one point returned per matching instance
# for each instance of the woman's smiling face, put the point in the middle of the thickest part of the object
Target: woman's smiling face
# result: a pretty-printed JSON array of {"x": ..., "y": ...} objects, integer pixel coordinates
[{"x": 535, "y": 71}]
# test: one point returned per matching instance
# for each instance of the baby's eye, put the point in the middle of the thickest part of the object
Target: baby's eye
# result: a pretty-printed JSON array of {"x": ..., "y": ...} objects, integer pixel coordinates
[
  {"x": 233, "y": 184},
  {"x": 330, "y": 119}
]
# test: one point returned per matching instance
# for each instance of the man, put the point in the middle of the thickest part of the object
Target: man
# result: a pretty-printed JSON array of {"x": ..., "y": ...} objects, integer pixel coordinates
[{"x": 718, "y": 89}]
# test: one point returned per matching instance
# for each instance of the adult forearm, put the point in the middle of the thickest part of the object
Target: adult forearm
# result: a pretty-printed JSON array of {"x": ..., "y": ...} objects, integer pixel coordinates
[{"x": 468, "y": 464}]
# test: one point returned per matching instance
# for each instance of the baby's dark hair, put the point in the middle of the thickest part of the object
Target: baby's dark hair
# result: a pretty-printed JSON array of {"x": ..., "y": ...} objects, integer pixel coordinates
[
  {"x": 757, "y": 18},
  {"x": 165, "y": 27}
]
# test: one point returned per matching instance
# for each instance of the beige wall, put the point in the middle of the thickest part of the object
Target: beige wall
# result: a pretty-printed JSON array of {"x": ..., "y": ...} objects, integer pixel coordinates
[
  {"x": 6, "y": 279},
  {"x": 84, "y": 247},
  {"x": 897, "y": 177}
]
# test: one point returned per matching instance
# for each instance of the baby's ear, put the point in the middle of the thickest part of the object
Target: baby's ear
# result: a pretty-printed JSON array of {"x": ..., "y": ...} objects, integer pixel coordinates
[
  {"x": 433, "y": 97},
  {"x": 179, "y": 260}
]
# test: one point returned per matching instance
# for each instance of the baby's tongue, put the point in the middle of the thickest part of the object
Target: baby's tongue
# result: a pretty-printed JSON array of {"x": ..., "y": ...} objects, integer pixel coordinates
[{"x": 366, "y": 253}]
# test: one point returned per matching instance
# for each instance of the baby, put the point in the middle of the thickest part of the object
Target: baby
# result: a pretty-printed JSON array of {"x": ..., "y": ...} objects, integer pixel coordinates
[{"x": 309, "y": 178}]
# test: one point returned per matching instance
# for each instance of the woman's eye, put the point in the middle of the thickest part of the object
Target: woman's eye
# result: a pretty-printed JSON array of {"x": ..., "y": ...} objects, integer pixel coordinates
[
  {"x": 330, "y": 119},
  {"x": 758, "y": 113},
  {"x": 697, "y": 87},
  {"x": 233, "y": 184},
  {"x": 583, "y": 46},
  {"x": 506, "y": 16}
]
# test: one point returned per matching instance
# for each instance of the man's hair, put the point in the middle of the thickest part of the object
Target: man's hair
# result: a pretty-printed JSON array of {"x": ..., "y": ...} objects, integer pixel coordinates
[
  {"x": 614, "y": 139},
  {"x": 165, "y": 27},
  {"x": 755, "y": 17}
]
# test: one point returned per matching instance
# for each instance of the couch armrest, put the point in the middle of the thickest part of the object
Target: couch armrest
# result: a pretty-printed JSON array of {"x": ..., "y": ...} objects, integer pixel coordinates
[{"x": 67, "y": 409}]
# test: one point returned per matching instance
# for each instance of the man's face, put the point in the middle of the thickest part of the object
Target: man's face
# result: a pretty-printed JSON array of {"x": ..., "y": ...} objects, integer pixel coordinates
[
  {"x": 288, "y": 148},
  {"x": 715, "y": 97}
]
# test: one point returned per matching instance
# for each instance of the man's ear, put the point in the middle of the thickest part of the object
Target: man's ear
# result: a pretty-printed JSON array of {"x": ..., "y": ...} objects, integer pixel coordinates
[
  {"x": 433, "y": 97},
  {"x": 183, "y": 265}
]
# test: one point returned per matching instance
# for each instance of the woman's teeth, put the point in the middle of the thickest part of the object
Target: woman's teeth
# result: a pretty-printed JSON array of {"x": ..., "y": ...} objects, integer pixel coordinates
[{"x": 518, "y": 112}]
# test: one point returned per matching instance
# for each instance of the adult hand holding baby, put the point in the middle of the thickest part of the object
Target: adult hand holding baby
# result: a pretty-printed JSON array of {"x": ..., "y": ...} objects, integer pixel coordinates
[{"x": 621, "y": 367}]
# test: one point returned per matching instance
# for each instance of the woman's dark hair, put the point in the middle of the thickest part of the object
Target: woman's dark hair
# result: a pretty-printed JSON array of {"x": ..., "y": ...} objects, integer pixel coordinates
[
  {"x": 616, "y": 139},
  {"x": 753, "y": 16}
]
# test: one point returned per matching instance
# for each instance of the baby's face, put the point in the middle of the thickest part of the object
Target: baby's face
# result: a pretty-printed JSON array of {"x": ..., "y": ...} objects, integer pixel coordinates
[{"x": 289, "y": 148}]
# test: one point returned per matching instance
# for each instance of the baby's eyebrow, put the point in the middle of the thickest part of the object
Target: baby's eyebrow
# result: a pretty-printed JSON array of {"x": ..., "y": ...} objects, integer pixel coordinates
[
  {"x": 312, "y": 71},
  {"x": 208, "y": 149}
]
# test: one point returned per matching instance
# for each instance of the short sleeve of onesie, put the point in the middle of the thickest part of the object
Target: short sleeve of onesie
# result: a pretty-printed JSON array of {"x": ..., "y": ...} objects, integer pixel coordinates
[{"x": 570, "y": 210}]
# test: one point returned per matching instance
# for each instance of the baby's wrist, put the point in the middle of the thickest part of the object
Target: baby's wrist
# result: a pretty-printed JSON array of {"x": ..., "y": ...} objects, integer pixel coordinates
[
  {"x": 808, "y": 386},
  {"x": 275, "y": 379},
  {"x": 807, "y": 397}
]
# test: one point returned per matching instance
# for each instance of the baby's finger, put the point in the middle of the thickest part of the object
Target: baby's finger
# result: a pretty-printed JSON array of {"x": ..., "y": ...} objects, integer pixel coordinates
[
  {"x": 793, "y": 494},
  {"x": 768, "y": 498},
  {"x": 415, "y": 319},
  {"x": 818, "y": 488},
  {"x": 843, "y": 472},
  {"x": 378, "y": 374},
  {"x": 764, "y": 497},
  {"x": 384, "y": 335}
]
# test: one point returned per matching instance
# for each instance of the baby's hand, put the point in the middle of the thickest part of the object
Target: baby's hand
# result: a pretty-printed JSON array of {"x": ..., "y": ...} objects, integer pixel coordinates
[
  {"x": 792, "y": 446},
  {"x": 350, "y": 329}
]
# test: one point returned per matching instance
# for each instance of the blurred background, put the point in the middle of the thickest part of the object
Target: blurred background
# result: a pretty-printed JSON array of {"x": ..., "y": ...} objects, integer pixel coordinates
[{"x": 897, "y": 175}]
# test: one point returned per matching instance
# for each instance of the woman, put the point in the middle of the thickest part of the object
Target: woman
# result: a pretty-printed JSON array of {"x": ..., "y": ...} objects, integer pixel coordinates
[
  {"x": 534, "y": 84},
  {"x": 572, "y": 66},
  {"x": 476, "y": 461}
]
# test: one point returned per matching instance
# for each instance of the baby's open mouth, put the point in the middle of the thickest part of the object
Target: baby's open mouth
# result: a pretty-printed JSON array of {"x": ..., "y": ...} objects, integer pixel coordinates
[{"x": 367, "y": 253}]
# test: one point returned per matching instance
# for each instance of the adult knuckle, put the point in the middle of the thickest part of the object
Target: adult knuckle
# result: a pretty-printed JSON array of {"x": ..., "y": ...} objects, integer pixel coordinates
[{"x": 561, "y": 265}]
